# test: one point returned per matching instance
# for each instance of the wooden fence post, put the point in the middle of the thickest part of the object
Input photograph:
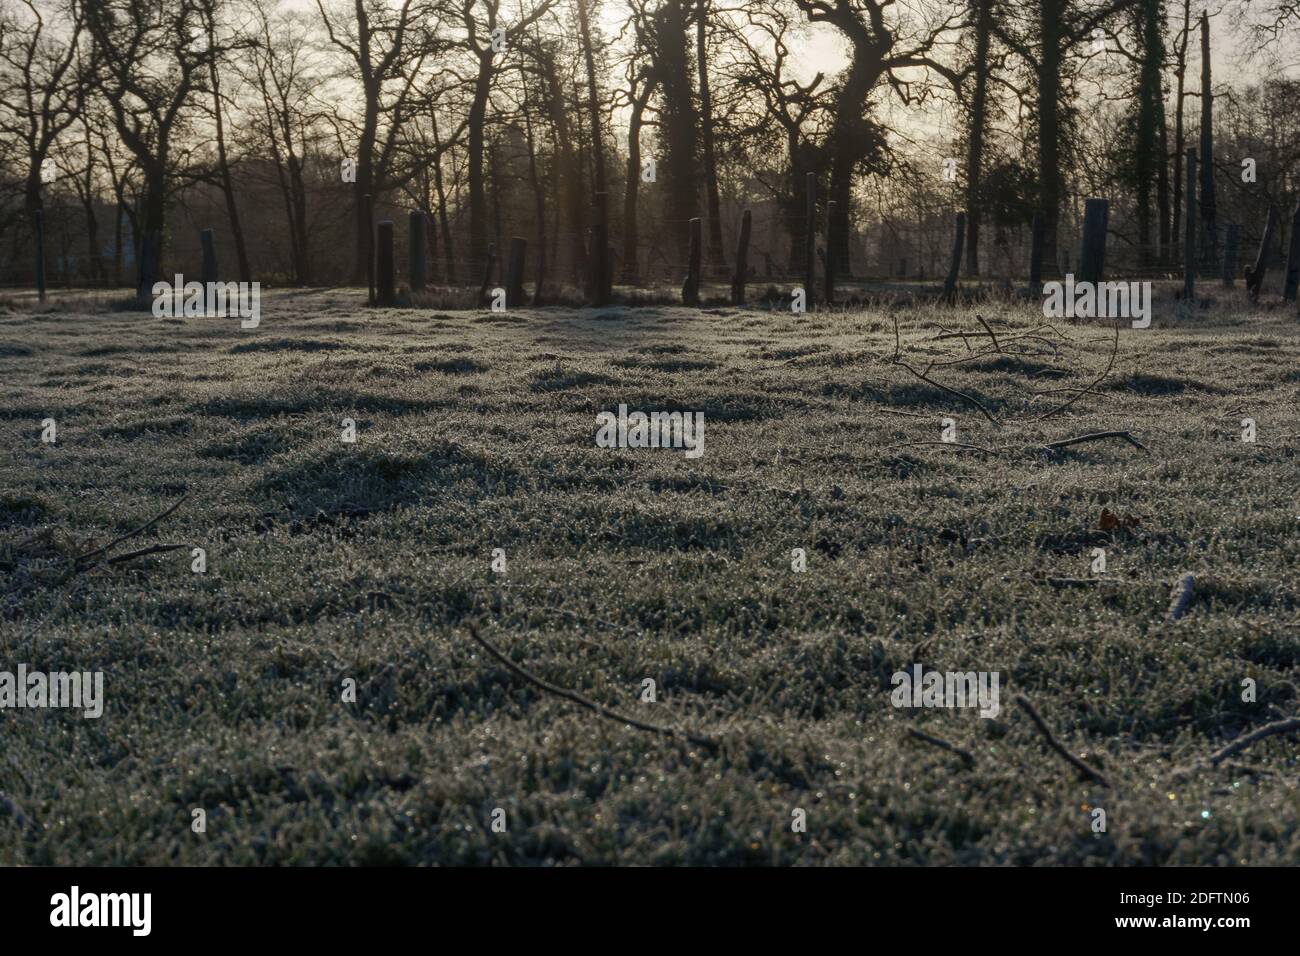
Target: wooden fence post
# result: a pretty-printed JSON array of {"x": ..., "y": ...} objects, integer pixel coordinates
[
  {"x": 598, "y": 283},
  {"x": 1092, "y": 255},
  {"x": 206, "y": 240},
  {"x": 488, "y": 265},
  {"x": 810, "y": 239},
  {"x": 147, "y": 272},
  {"x": 1255, "y": 274},
  {"x": 416, "y": 268},
  {"x": 691, "y": 287},
  {"x": 384, "y": 283},
  {"x": 1037, "y": 239},
  {"x": 38, "y": 223},
  {"x": 828, "y": 265},
  {"x": 741, "y": 274},
  {"x": 1230, "y": 239},
  {"x": 1293, "y": 259},
  {"x": 1189, "y": 234},
  {"x": 515, "y": 272},
  {"x": 954, "y": 265},
  {"x": 368, "y": 210}
]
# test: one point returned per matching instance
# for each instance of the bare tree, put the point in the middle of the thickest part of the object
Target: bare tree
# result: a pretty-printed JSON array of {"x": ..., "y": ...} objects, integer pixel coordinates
[
  {"x": 678, "y": 139},
  {"x": 640, "y": 87},
  {"x": 716, "y": 258},
  {"x": 487, "y": 34},
  {"x": 153, "y": 61},
  {"x": 283, "y": 71},
  {"x": 1047, "y": 46},
  {"x": 763, "y": 67},
  {"x": 882, "y": 41},
  {"x": 1206, "y": 202},
  {"x": 220, "y": 54},
  {"x": 598, "y": 279},
  {"x": 78, "y": 166},
  {"x": 977, "y": 127},
  {"x": 386, "y": 47},
  {"x": 44, "y": 77}
]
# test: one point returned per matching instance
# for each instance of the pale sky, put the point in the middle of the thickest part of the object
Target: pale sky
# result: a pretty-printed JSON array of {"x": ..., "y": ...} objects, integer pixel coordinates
[{"x": 825, "y": 51}]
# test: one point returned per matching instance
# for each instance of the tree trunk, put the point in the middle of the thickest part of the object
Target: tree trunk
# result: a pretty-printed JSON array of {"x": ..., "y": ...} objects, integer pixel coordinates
[
  {"x": 810, "y": 240},
  {"x": 741, "y": 275},
  {"x": 1052, "y": 188},
  {"x": 1162, "y": 179},
  {"x": 444, "y": 223},
  {"x": 598, "y": 277},
  {"x": 363, "y": 189},
  {"x": 851, "y": 136},
  {"x": 1189, "y": 228},
  {"x": 691, "y": 287},
  {"x": 117, "y": 246},
  {"x": 96, "y": 269},
  {"x": 716, "y": 258},
  {"x": 1148, "y": 146},
  {"x": 631, "y": 188},
  {"x": 539, "y": 196},
  {"x": 1180, "y": 146},
  {"x": 385, "y": 282},
  {"x": 223, "y": 166},
  {"x": 302, "y": 247},
  {"x": 153, "y": 221},
  {"x": 975, "y": 136},
  {"x": 478, "y": 212},
  {"x": 494, "y": 172},
  {"x": 678, "y": 131},
  {"x": 954, "y": 264},
  {"x": 572, "y": 202},
  {"x": 1207, "y": 208},
  {"x": 1255, "y": 274}
]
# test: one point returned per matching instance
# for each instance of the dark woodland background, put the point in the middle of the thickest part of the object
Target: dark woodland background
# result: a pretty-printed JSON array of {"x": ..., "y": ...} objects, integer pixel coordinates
[{"x": 159, "y": 118}]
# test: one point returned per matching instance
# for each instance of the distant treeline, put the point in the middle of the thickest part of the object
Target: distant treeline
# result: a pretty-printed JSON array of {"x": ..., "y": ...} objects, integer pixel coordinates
[{"x": 133, "y": 124}]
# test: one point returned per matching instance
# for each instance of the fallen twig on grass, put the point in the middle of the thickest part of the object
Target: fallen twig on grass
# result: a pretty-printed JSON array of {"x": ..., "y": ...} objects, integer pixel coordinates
[
  {"x": 967, "y": 757},
  {"x": 993, "y": 337},
  {"x": 947, "y": 333},
  {"x": 1182, "y": 596},
  {"x": 152, "y": 549},
  {"x": 1287, "y": 726},
  {"x": 949, "y": 444},
  {"x": 577, "y": 698},
  {"x": 900, "y": 411},
  {"x": 961, "y": 360},
  {"x": 82, "y": 563},
  {"x": 1096, "y": 436},
  {"x": 130, "y": 534},
  {"x": 1109, "y": 365},
  {"x": 1052, "y": 742},
  {"x": 1290, "y": 725},
  {"x": 1065, "y": 388},
  {"x": 952, "y": 391}
]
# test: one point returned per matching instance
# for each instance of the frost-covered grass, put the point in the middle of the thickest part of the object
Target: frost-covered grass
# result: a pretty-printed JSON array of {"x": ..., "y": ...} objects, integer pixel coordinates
[{"x": 330, "y": 561}]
